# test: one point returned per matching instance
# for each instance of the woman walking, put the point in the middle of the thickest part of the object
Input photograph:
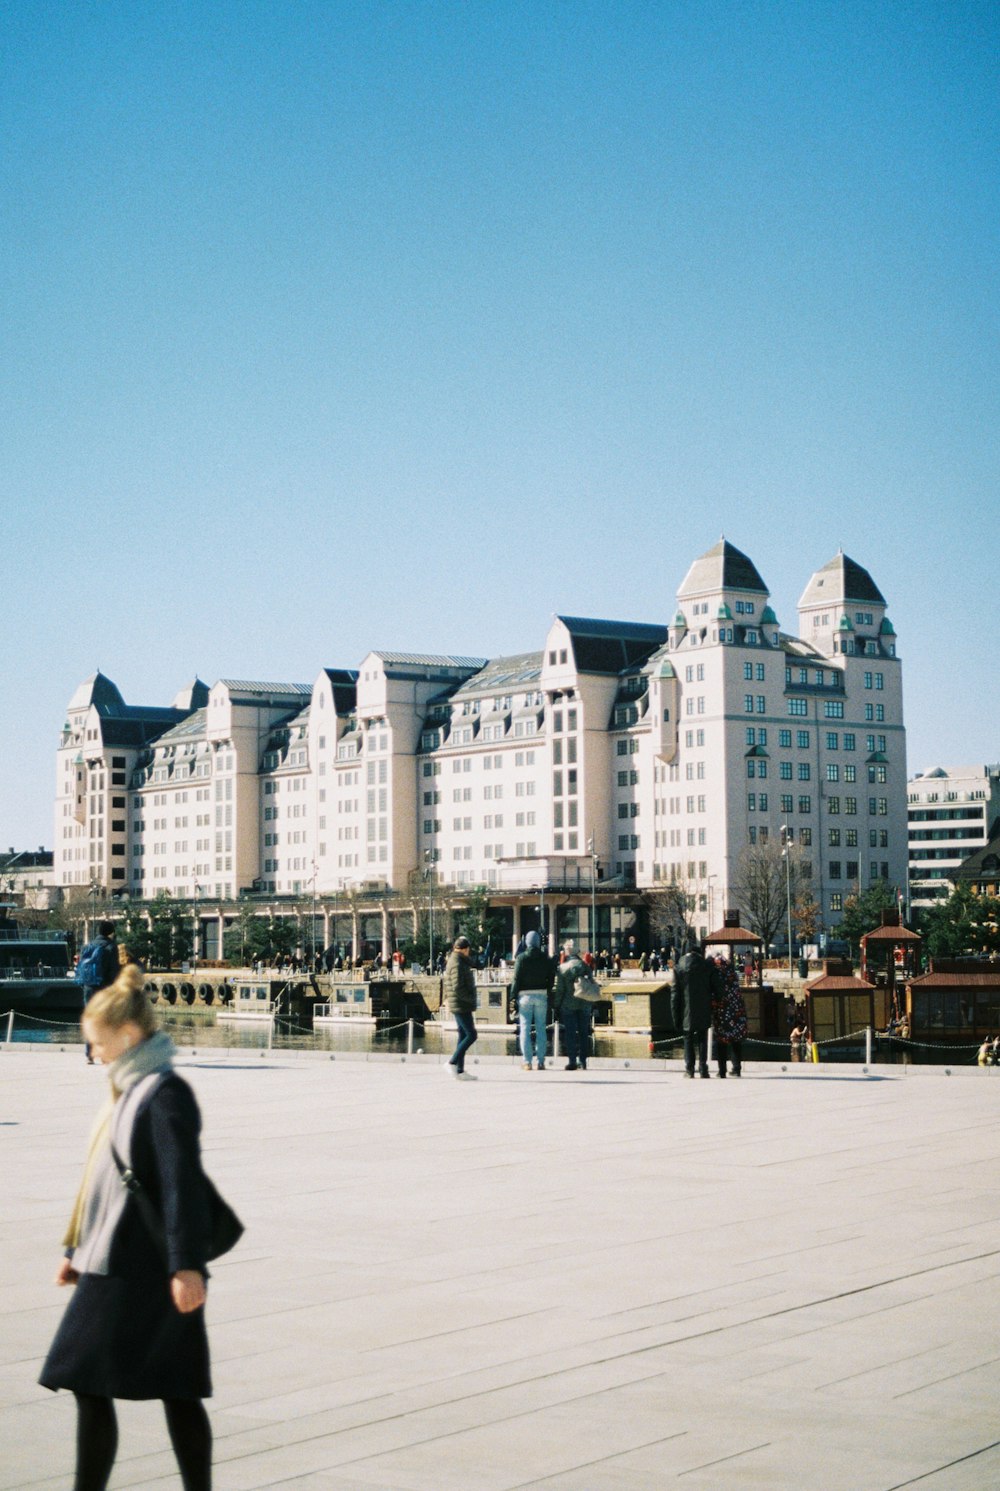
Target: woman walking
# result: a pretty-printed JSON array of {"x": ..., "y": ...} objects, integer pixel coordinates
[{"x": 135, "y": 1327}]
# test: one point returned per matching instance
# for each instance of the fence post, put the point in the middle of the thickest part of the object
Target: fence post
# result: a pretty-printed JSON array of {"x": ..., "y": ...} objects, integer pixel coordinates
[
  {"x": 409, "y": 1037},
  {"x": 10, "y": 1028},
  {"x": 709, "y": 1044},
  {"x": 555, "y": 1040},
  {"x": 868, "y": 1045}
]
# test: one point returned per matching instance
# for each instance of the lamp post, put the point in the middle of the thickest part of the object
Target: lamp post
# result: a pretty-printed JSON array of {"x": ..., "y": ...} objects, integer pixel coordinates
[
  {"x": 197, "y": 926},
  {"x": 786, "y": 850},
  {"x": 315, "y": 871},
  {"x": 429, "y": 877},
  {"x": 94, "y": 888},
  {"x": 711, "y": 902},
  {"x": 593, "y": 895}
]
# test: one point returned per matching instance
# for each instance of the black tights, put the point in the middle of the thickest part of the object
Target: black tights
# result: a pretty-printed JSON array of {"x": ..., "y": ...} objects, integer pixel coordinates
[{"x": 97, "y": 1441}]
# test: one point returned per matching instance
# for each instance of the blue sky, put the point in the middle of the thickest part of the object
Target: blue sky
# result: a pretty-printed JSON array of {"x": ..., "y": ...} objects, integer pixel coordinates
[{"x": 338, "y": 326}]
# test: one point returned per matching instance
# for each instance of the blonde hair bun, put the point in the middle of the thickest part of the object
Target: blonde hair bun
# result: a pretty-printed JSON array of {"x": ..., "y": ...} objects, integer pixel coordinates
[{"x": 124, "y": 1002}]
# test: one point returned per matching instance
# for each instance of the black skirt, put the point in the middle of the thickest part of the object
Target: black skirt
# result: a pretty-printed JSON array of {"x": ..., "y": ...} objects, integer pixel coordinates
[{"x": 124, "y": 1338}]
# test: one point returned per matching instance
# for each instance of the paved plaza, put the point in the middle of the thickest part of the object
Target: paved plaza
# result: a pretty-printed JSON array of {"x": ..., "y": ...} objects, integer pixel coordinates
[{"x": 609, "y": 1281}]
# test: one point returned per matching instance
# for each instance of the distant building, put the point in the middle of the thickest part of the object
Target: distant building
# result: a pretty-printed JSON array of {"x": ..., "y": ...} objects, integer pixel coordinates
[
  {"x": 26, "y": 877},
  {"x": 950, "y": 813},
  {"x": 625, "y": 754}
]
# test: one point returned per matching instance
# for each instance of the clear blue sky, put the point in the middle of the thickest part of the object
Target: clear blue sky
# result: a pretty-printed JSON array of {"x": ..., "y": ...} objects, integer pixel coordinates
[{"x": 337, "y": 326}]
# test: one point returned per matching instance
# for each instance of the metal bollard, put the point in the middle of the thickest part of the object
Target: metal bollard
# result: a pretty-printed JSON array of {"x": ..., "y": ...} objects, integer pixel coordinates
[
  {"x": 409, "y": 1037},
  {"x": 10, "y": 1028},
  {"x": 868, "y": 1045},
  {"x": 555, "y": 1040},
  {"x": 709, "y": 1043}
]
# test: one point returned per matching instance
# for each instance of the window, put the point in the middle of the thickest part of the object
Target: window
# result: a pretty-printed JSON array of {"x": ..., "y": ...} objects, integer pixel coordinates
[
  {"x": 805, "y": 837},
  {"x": 833, "y": 709},
  {"x": 785, "y": 771},
  {"x": 761, "y": 704},
  {"x": 878, "y": 682},
  {"x": 762, "y": 802},
  {"x": 833, "y": 838},
  {"x": 850, "y": 773},
  {"x": 835, "y": 869},
  {"x": 785, "y": 739},
  {"x": 760, "y": 672},
  {"x": 748, "y": 670},
  {"x": 836, "y": 901},
  {"x": 798, "y": 706},
  {"x": 751, "y": 802},
  {"x": 748, "y": 703},
  {"x": 832, "y": 772},
  {"x": 832, "y": 740},
  {"x": 833, "y": 805},
  {"x": 805, "y": 771},
  {"x": 805, "y": 805},
  {"x": 868, "y": 680},
  {"x": 849, "y": 742},
  {"x": 787, "y": 802}
]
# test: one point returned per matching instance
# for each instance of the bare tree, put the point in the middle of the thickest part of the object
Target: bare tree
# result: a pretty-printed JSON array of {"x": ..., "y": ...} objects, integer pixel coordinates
[
  {"x": 670, "y": 907},
  {"x": 760, "y": 887}
]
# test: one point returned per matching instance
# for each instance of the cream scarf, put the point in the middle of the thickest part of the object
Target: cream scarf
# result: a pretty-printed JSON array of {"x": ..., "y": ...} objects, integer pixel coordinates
[{"x": 98, "y": 1205}]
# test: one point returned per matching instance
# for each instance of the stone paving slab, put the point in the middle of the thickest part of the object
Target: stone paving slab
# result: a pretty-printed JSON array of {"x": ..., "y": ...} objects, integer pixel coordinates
[{"x": 583, "y": 1282}]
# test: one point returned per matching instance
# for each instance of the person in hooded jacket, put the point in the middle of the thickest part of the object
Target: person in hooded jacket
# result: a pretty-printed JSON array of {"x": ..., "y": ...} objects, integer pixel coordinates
[
  {"x": 532, "y": 985},
  {"x": 135, "y": 1326},
  {"x": 697, "y": 987}
]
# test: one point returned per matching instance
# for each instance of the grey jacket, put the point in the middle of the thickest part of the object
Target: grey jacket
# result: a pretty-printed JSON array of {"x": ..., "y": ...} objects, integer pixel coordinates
[{"x": 565, "y": 1000}]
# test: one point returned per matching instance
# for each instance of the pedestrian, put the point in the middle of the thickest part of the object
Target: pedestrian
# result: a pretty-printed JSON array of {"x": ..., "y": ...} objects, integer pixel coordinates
[
  {"x": 135, "y": 1326},
  {"x": 729, "y": 1019},
  {"x": 97, "y": 968},
  {"x": 461, "y": 998},
  {"x": 532, "y": 985},
  {"x": 574, "y": 1015},
  {"x": 696, "y": 987}
]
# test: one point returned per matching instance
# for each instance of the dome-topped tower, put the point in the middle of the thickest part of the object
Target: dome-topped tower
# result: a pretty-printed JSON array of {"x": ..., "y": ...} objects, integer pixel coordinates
[
  {"x": 724, "y": 598},
  {"x": 842, "y": 611}
]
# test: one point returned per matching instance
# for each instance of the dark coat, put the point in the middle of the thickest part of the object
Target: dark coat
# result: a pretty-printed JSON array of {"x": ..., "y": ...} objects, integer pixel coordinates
[
  {"x": 696, "y": 986},
  {"x": 534, "y": 973},
  {"x": 109, "y": 964},
  {"x": 121, "y": 1335},
  {"x": 565, "y": 1001},
  {"x": 460, "y": 984}
]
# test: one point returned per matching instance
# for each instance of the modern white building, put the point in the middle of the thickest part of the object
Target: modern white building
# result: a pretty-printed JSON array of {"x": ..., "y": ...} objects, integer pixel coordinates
[
  {"x": 623, "y": 754},
  {"x": 951, "y": 811}
]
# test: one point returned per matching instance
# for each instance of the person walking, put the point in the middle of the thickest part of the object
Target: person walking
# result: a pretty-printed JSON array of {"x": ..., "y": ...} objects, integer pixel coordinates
[
  {"x": 729, "y": 1019},
  {"x": 696, "y": 987},
  {"x": 532, "y": 985},
  {"x": 135, "y": 1326},
  {"x": 574, "y": 1015},
  {"x": 461, "y": 999},
  {"x": 97, "y": 967}
]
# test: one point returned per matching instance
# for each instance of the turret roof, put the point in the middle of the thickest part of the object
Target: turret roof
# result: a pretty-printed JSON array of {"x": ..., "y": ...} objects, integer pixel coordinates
[{"x": 723, "y": 567}]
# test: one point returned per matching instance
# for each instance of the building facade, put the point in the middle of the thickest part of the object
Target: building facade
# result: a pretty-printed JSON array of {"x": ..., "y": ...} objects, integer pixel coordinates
[
  {"x": 624, "y": 754},
  {"x": 951, "y": 812}
]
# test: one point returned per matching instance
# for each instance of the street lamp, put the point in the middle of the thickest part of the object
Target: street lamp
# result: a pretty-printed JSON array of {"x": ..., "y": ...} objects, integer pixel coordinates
[
  {"x": 593, "y": 895},
  {"x": 786, "y": 850},
  {"x": 94, "y": 888},
  {"x": 429, "y": 877},
  {"x": 197, "y": 925},
  {"x": 711, "y": 902},
  {"x": 315, "y": 871}
]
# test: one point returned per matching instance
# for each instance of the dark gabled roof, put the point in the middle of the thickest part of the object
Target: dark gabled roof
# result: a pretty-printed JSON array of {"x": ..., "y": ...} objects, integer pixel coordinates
[
  {"x": 99, "y": 690},
  {"x": 723, "y": 567},
  {"x": 978, "y": 863},
  {"x": 842, "y": 579},
  {"x": 344, "y": 684},
  {"x": 611, "y": 646}
]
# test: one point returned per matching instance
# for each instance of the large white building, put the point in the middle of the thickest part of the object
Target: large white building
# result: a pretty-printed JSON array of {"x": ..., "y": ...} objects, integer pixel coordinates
[
  {"x": 951, "y": 812},
  {"x": 636, "y": 753}
]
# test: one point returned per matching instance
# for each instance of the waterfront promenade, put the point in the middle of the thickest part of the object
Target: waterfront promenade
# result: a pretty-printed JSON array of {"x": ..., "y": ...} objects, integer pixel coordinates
[{"x": 611, "y": 1281}]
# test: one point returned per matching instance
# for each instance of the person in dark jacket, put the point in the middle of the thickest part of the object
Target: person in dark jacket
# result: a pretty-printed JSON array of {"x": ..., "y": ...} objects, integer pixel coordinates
[
  {"x": 461, "y": 999},
  {"x": 696, "y": 986},
  {"x": 532, "y": 985},
  {"x": 575, "y": 1016},
  {"x": 135, "y": 1326},
  {"x": 100, "y": 956}
]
